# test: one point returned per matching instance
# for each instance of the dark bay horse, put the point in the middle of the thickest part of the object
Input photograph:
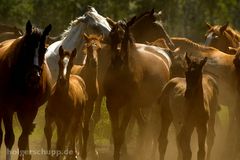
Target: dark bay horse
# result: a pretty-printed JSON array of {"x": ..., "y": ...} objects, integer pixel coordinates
[
  {"x": 132, "y": 83},
  {"x": 222, "y": 37},
  {"x": 89, "y": 73},
  {"x": 189, "y": 103},
  {"x": 25, "y": 84},
  {"x": 66, "y": 105},
  {"x": 153, "y": 30}
]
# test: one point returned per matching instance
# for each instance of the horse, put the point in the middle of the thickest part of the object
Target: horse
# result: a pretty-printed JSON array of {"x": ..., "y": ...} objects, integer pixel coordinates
[
  {"x": 25, "y": 85},
  {"x": 132, "y": 83},
  {"x": 9, "y": 28},
  {"x": 89, "y": 73},
  {"x": 220, "y": 66},
  {"x": 66, "y": 105},
  {"x": 152, "y": 26},
  {"x": 222, "y": 37},
  {"x": 90, "y": 22},
  {"x": 9, "y": 32},
  {"x": 154, "y": 30},
  {"x": 189, "y": 103}
]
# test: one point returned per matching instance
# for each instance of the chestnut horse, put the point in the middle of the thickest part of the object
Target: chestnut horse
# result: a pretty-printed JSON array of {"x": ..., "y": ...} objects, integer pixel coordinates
[
  {"x": 220, "y": 66},
  {"x": 25, "y": 84},
  {"x": 222, "y": 37},
  {"x": 189, "y": 103},
  {"x": 132, "y": 83},
  {"x": 89, "y": 73},
  {"x": 65, "y": 105}
]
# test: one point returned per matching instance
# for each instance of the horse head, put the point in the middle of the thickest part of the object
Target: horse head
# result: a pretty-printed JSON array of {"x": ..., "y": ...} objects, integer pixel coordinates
[
  {"x": 28, "y": 68},
  {"x": 92, "y": 48},
  {"x": 65, "y": 64},
  {"x": 193, "y": 75},
  {"x": 221, "y": 37}
]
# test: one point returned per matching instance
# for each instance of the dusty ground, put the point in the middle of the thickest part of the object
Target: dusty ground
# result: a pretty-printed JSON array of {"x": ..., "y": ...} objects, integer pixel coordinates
[{"x": 38, "y": 142}]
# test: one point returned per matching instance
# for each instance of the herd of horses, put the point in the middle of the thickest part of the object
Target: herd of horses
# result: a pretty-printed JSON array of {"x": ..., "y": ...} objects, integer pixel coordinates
[{"x": 145, "y": 75}]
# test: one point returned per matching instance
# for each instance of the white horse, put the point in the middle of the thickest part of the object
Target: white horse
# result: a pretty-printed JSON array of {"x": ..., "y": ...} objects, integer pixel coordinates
[{"x": 90, "y": 22}]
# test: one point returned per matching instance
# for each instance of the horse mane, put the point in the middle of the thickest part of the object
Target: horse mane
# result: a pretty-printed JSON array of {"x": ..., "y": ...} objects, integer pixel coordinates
[
  {"x": 142, "y": 15},
  {"x": 71, "y": 25},
  {"x": 187, "y": 43}
]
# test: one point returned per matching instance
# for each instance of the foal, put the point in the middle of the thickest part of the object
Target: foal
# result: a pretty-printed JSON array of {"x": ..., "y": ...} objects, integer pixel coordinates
[
  {"x": 89, "y": 73},
  {"x": 189, "y": 102},
  {"x": 66, "y": 104}
]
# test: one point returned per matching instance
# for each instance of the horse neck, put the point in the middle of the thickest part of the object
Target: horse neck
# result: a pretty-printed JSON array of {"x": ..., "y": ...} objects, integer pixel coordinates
[
  {"x": 74, "y": 40},
  {"x": 188, "y": 45},
  {"x": 197, "y": 99},
  {"x": 89, "y": 74}
]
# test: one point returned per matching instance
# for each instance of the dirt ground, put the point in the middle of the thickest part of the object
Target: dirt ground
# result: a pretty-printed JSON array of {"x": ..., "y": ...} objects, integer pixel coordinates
[{"x": 37, "y": 141}]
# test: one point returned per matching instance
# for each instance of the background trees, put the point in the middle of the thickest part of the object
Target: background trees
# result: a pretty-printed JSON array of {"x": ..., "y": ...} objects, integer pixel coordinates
[{"x": 181, "y": 17}]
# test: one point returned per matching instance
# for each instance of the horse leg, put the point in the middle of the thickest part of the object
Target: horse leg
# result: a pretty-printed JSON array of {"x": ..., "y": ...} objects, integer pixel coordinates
[
  {"x": 113, "y": 110},
  {"x": 9, "y": 135},
  {"x": 123, "y": 127},
  {"x": 183, "y": 139},
  {"x": 26, "y": 119},
  {"x": 73, "y": 139},
  {"x": 210, "y": 136},
  {"x": 163, "y": 141},
  {"x": 87, "y": 116},
  {"x": 61, "y": 138},
  {"x": 1, "y": 131},
  {"x": 202, "y": 133},
  {"x": 48, "y": 130}
]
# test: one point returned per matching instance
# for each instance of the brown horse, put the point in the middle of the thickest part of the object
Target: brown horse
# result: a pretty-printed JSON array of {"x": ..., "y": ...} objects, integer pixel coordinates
[
  {"x": 153, "y": 30},
  {"x": 222, "y": 37},
  {"x": 9, "y": 28},
  {"x": 132, "y": 83},
  {"x": 89, "y": 73},
  {"x": 220, "y": 66},
  {"x": 152, "y": 26},
  {"x": 9, "y": 32},
  {"x": 25, "y": 84},
  {"x": 189, "y": 103},
  {"x": 66, "y": 104}
]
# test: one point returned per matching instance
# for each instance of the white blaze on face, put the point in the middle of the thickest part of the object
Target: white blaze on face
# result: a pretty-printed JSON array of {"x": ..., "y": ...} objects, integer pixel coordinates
[
  {"x": 65, "y": 65},
  {"x": 36, "y": 60},
  {"x": 209, "y": 39}
]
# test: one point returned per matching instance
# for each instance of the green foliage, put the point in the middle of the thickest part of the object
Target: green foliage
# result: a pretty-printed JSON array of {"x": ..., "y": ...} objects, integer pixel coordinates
[{"x": 181, "y": 17}]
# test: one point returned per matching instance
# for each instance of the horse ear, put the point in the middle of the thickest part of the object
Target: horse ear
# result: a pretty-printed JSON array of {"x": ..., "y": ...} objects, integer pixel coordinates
[
  {"x": 152, "y": 11},
  {"x": 85, "y": 37},
  {"x": 61, "y": 54},
  {"x": 202, "y": 63},
  {"x": 187, "y": 59},
  {"x": 224, "y": 27},
  {"x": 209, "y": 26},
  {"x": 28, "y": 27},
  {"x": 47, "y": 30},
  {"x": 232, "y": 50},
  {"x": 74, "y": 53},
  {"x": 101, "y": 37},
  {"x": 111, "y": 22}
]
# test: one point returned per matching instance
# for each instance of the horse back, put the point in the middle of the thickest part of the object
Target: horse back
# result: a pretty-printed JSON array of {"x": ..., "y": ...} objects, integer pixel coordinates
[{"x": 77, "y": 89}]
